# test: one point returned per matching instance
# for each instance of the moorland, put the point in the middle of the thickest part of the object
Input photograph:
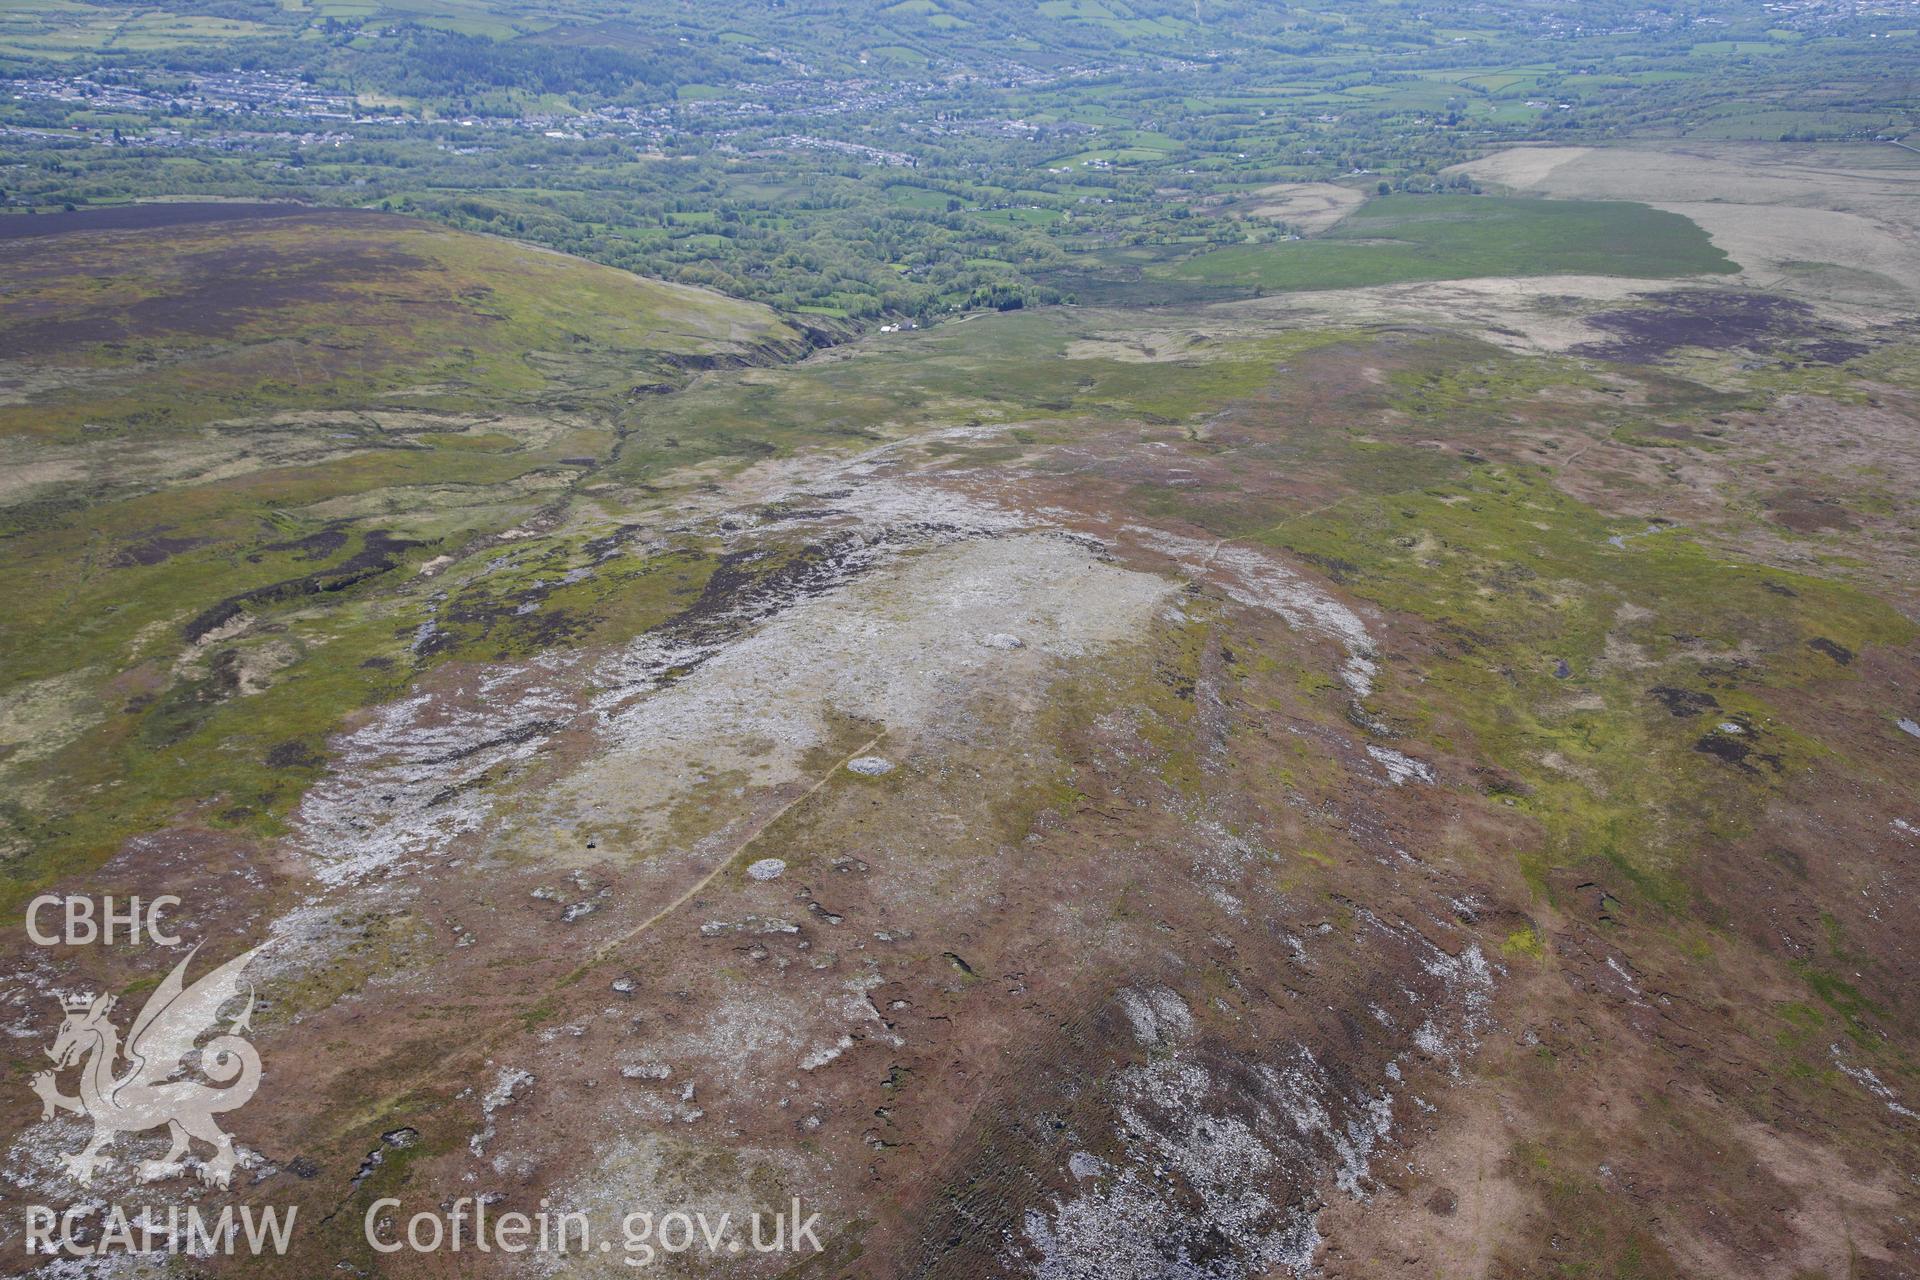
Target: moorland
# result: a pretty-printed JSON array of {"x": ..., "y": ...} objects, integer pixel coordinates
[{"x": 1104, "y": 639}]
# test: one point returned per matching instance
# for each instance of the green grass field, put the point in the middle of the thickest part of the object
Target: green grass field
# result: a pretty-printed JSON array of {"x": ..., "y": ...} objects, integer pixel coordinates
[
  {"x": 61, "y": 29},
  {"x": 1405, "y": 238}
]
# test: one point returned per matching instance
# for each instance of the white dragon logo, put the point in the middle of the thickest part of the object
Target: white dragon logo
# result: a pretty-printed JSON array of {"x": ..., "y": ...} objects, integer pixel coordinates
[{"x": 146, "y": 1095}]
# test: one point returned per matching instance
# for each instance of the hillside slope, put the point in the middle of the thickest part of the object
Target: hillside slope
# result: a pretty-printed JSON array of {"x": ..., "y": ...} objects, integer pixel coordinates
[{"x": 1386, "y": 782}]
